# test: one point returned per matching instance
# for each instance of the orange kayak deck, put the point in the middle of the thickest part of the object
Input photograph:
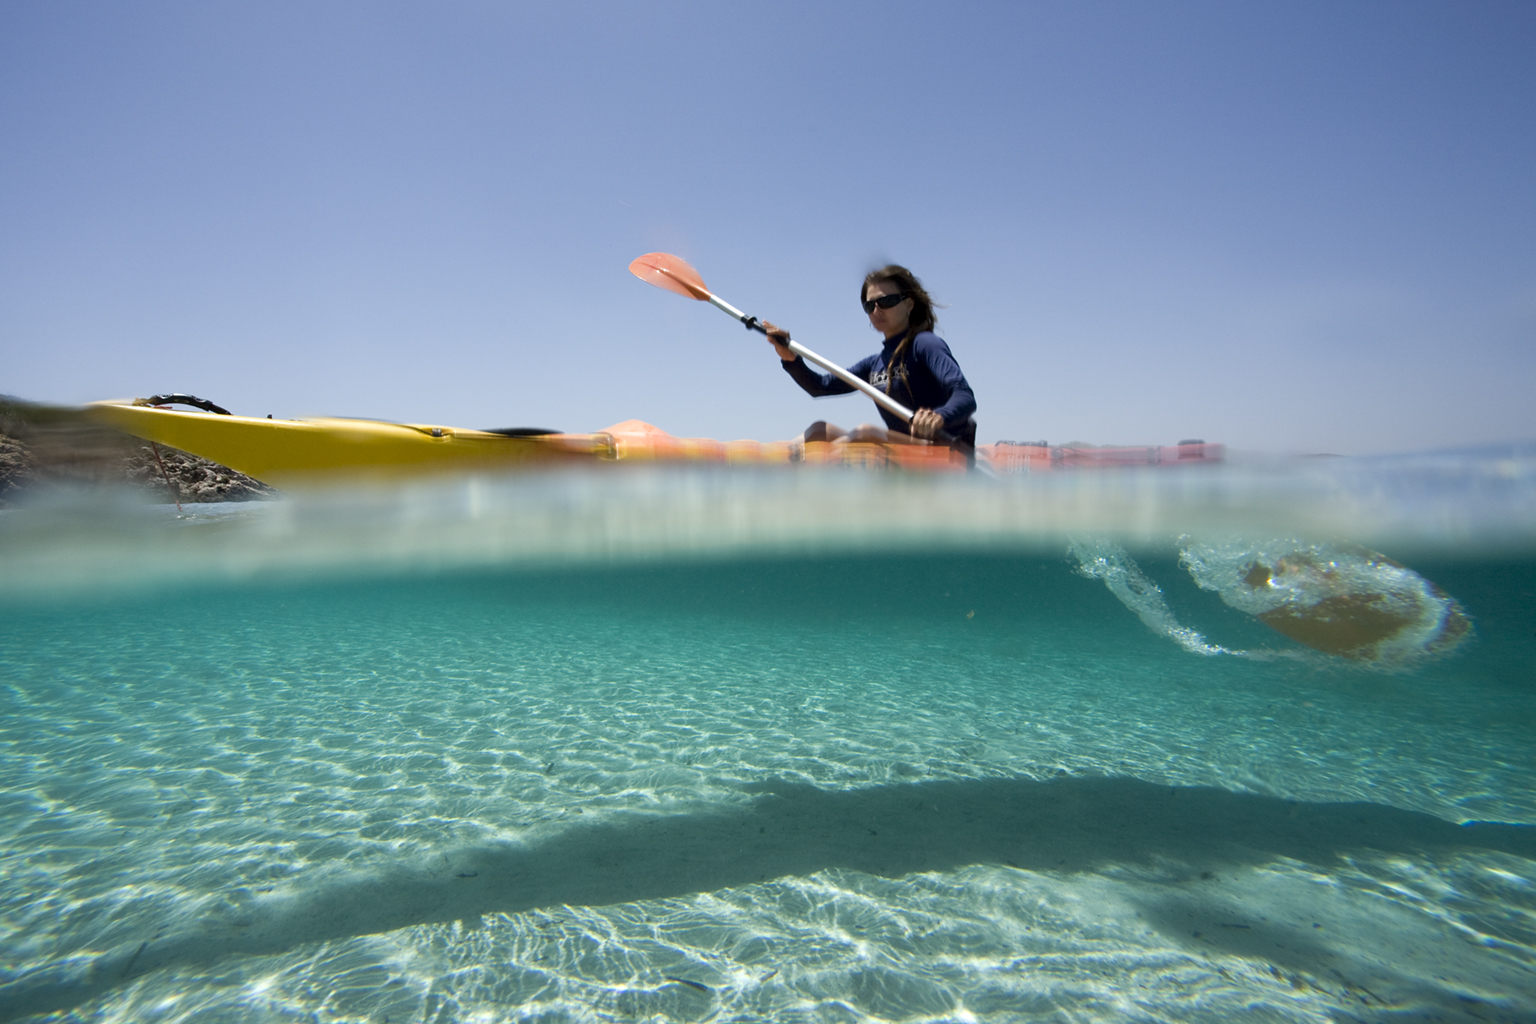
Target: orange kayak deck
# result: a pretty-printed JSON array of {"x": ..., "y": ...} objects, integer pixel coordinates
[{"x": 638, "y": 441}]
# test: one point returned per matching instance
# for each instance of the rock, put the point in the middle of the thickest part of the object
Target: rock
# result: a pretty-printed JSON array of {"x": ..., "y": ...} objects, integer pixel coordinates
[
  {"x": 191, "y": 477},
  {"x": 18, "y": 466},
  {"x": 46, "y": 445}
]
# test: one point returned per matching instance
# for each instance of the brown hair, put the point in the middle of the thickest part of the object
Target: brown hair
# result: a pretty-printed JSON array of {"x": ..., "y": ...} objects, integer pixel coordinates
[{"x": 922, "y": 318}]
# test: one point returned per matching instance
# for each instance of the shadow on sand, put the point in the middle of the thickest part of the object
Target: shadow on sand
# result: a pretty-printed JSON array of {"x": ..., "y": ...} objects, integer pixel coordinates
[{"x": 1066, "y": 825}]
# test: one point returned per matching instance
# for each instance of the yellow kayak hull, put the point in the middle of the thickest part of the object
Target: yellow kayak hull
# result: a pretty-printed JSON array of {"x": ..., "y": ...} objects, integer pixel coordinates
[{"x": 289, "y": 453}]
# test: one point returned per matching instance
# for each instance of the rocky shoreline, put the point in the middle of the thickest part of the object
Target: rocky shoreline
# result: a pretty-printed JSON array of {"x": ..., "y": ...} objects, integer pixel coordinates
[{"x": 43, "y": 447}]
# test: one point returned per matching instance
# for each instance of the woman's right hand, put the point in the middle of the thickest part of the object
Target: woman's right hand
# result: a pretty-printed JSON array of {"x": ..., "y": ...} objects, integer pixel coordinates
[{"x": 779, "y": 338}]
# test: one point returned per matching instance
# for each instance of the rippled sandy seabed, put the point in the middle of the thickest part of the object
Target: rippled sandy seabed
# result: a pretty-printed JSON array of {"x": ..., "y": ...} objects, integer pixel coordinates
[{"x": 790, "y": 747}]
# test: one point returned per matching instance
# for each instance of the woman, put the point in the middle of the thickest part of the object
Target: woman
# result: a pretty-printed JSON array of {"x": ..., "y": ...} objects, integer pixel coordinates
[{"x": 914, "y": 366}]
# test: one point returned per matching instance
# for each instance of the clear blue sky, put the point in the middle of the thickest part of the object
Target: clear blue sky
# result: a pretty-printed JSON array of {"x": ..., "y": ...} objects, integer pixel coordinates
[{"x": 1287, "y": 226}]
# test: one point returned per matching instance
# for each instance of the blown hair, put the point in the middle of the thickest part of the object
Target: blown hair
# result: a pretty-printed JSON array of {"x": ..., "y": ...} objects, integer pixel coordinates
[{"x": 922, "y": 318}]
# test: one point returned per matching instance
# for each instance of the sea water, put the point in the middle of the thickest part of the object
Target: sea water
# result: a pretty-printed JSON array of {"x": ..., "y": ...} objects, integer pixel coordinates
[{"x": 780, "y": 746}]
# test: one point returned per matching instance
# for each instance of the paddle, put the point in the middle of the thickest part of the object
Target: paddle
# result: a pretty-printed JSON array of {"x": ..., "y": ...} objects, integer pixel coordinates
[{"x": 675, "y": 275}]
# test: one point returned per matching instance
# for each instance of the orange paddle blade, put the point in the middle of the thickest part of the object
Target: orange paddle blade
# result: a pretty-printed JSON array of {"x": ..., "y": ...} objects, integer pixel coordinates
[{"x": 664, "y": 270}]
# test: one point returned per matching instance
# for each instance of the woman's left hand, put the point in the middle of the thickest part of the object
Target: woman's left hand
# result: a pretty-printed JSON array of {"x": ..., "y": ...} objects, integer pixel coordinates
[
  {"x": 926, "y": 423},
  {"x": 780, "y": 339}
]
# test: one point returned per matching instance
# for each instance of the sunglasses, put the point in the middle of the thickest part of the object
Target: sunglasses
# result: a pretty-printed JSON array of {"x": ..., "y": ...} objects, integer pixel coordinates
[{"x": 884, "y": 302}]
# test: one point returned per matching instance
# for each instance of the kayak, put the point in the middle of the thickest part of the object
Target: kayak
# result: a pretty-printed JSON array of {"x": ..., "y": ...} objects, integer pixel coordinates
[
  {"x": 307, "y": 452},
  {"x": 291, "y": 453}
]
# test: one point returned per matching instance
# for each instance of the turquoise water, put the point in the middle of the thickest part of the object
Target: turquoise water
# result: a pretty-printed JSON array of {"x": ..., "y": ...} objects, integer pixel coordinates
[{"x": 790, "y": 746}]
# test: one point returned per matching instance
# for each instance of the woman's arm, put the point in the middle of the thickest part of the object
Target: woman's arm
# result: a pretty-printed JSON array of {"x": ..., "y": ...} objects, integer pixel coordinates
[
  {"x": 935, "y": 355},
  {"x": 815, "y": 384}
]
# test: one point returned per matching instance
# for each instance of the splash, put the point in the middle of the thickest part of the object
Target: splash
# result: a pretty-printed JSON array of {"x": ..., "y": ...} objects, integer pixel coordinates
[{"x": 1105, "y": 560}]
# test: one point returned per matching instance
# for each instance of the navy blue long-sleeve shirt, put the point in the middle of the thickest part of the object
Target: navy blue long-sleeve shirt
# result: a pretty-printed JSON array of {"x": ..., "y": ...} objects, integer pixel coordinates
[{"x": 932, "y": 381}]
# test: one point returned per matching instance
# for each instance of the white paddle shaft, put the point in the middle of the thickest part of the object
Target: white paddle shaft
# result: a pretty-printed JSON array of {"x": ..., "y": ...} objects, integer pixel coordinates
[{"x": 880, "y": 397}]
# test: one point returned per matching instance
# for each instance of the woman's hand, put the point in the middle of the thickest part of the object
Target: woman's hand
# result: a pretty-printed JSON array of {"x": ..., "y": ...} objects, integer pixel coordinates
[
  {"x": 779, "y": 338},
  {"x": 926, "y": 424}
]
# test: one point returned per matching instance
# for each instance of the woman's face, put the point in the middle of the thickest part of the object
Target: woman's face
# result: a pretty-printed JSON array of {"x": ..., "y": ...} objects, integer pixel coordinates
[{"x": 889, "y": 322}]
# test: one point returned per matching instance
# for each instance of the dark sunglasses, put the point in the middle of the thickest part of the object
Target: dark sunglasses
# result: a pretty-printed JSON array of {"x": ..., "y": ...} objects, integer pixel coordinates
[{"x": 885, "y": 302}]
